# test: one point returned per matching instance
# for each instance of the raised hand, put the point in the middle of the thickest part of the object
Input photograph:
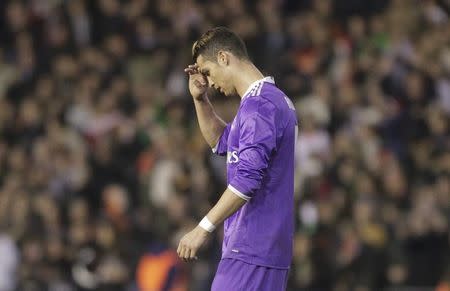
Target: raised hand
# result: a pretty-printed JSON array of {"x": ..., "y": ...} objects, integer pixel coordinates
[{"x": 198, "y": 83}]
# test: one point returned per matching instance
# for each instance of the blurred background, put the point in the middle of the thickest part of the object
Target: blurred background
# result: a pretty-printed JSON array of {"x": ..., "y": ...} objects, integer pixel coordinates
[{"x": 103, "y": 167}]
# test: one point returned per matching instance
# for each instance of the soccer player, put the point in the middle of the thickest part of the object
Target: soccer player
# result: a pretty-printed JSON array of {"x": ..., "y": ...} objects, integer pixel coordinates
[{"x": 257, "y": 205}]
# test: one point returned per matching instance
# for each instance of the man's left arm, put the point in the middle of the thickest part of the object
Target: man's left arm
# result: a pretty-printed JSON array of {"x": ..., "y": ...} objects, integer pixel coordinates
[{"x": 228, "y": 204}]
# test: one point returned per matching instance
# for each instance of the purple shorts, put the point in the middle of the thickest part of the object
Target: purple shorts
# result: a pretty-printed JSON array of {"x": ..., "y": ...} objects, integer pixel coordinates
[{"x": 235, "y": 275}]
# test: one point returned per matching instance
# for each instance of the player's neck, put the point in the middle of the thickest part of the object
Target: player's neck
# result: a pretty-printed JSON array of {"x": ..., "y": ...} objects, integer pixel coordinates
[{"x": 246, "y": 76}]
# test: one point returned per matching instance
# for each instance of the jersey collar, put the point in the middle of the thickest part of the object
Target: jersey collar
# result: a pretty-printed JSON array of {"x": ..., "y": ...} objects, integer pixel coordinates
[{"x": 253, "y": 88}]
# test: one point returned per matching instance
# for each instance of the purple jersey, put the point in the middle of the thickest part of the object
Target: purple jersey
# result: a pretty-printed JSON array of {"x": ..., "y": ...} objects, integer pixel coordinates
[{"x": 259, "y": 145}]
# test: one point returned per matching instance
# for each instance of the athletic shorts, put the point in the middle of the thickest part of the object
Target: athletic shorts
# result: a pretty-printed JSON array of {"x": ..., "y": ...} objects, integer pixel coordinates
[{"x": 236, "y": 275}]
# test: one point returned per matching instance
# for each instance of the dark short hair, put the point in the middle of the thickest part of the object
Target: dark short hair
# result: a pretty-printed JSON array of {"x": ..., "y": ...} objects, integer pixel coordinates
[{"x": 216, "y": 39}]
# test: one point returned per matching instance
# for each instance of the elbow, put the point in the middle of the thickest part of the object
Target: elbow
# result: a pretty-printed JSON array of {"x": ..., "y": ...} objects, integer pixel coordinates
[{"x": 246, "y": 183}]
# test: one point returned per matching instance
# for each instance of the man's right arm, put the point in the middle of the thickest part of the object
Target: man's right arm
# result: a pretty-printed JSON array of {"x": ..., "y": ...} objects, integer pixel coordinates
[{"x": 211, "y": 125}]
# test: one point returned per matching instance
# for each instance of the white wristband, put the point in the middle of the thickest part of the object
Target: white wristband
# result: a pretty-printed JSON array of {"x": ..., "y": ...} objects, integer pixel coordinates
[{"x": 207, "y": 225}]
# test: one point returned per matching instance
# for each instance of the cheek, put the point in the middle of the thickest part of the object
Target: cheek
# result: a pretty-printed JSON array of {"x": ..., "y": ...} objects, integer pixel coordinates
[{"x": 226, "y": 80}]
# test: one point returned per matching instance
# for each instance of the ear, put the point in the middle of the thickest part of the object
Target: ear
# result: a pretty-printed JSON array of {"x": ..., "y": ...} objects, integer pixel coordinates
[{"x": 223, "y": 58}]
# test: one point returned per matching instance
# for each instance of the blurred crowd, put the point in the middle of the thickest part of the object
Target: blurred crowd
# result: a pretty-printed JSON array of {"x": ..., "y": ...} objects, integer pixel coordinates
[{"x": 103, "y": 166}]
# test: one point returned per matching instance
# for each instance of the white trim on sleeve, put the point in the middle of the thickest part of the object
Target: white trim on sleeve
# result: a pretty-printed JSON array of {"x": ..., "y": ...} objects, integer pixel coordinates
[{"x": 238, "y": 193}]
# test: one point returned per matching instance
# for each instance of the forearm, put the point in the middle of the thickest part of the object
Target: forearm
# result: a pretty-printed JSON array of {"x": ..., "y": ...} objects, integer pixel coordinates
[
  {"x": 228, "y": 204},
  {"x": 211, "y": 125}
]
